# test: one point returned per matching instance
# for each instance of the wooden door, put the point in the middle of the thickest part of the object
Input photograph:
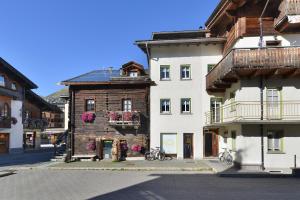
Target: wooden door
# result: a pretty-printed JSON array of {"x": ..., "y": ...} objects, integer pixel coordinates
[
  {"x": 4, "y": 143},
  {"x": 211, "y": 143},
  {"x": 188, "y": 145},
  {"x": 215, "y": 144}
]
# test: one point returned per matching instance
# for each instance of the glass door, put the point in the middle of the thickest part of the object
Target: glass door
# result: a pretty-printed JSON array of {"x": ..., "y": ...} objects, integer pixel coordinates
[
  {"x": 215, "y": 108},
  {"x": 273, "y": 104}
]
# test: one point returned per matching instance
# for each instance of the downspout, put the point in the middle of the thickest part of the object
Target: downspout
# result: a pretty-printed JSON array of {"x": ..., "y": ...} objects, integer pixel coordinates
[{"x": 261, "y": 86}]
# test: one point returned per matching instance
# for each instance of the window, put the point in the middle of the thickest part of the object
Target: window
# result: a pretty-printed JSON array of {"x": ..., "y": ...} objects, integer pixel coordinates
[
  {"x": 14, "y": 86},
  {"x": 275, "y": 141},
  {"x": 185, "y": 72},
  {"x": 233, "y": 143},
  {"x": 90, "y": 105},
  {"x": 210, "y": 67},
  {"x": 165, "y": 106},
  {"x": 133, "y": 74},
  {"x": 185, "y": 105},
  {"x": 4, "y": 112},
  {"x": 2, "y": 81},
  {"x": 164, "y": 72},
  {"x": 127, "y": 105}
]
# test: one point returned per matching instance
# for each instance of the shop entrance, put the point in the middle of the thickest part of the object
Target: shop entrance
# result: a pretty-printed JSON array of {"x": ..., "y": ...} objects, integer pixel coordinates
[
  {"x": 188, "y": 145},
  {"x": 4, "y": 143},
  {"x": 211, "y": 143},
  {"x": 107, "y": 147}
]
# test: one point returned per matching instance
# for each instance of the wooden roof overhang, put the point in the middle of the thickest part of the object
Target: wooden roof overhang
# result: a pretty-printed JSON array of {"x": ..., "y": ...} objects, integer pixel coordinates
[
  {"x": 118, "y": 82},
  {"x": 6, "y": 67},
  {"x": 228, "y": 11},
  {"x": 253, "y": 62},
  {"x": 35, "y": 99},
  {"x": 144, "y": 44}
]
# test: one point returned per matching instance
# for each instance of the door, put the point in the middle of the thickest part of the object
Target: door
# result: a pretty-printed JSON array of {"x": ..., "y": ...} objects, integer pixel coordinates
[
  {"x": 273, "y": 104},
  {"x": 4, "y": 143},
  {"x": 188, "y": 145},
  {"x": 107, "y": 147},
  {"x": 211, "y": 143},
  {"x": 215, "y": 108}
]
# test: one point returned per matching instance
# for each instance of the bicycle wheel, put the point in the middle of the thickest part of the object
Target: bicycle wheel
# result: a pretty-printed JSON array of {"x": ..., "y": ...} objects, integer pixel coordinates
[
  {"x": 229, "y": 159},
  {"x": 161, "y": 156},
  {"x": 221, "y": 157},
  {"x": 148, "y": 156}
]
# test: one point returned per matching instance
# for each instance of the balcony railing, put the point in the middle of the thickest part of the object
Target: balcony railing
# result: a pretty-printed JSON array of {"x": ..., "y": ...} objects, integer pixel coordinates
[
  {"x": 287, "y": 8},
  {"x": 246, "y": 62},
  {"x": 32, "y": 123},
  {"x": 124, "y": 119},
  {"x": 244, "y": 111}
]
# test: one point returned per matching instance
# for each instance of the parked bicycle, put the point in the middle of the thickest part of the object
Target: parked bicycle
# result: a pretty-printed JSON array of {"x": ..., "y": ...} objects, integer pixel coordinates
[
  {"x": 226, "y": 156},
  {"x": 155, "y": 154}
]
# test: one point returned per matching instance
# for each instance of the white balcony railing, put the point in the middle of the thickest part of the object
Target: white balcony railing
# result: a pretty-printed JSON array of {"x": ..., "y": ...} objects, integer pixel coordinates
[
  {"x": 243, "y": 111},
  {"x": 124, "y": 118}
]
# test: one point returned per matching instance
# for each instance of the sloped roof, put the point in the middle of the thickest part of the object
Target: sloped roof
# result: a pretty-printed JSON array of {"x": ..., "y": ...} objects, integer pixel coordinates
[
  {"x": 95, "y": 76},
  {"x": 9, "y": 68},
  {"x": 55, "y": 98}
]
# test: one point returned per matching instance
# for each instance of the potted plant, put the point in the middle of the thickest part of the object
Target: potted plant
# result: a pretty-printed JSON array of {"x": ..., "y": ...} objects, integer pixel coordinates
[
  {"x": 88, "y": 117},
  {"x": 91, "y": 145}
]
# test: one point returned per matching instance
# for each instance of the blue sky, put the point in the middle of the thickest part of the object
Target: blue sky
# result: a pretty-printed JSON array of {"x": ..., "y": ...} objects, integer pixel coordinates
[{"x": 53, "y": 40}]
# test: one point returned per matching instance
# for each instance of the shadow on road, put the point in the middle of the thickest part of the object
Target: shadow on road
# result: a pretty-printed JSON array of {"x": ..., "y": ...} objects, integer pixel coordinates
[
  {"x": 202, "y": 186},
  {"x": 26, "y": 158}
]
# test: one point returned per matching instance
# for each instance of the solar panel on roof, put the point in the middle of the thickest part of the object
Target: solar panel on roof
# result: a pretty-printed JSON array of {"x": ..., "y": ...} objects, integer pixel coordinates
[{"x": 96, "y": 76}]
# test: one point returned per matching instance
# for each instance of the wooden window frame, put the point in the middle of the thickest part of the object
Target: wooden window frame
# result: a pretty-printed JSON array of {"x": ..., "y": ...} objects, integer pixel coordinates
[{"x": 86, "y": 104}]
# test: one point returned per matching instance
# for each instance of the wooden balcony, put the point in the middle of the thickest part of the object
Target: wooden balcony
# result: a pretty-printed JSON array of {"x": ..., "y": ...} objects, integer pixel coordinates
[
  {"x": 35, "y": 123},
  {"x": 250, "y": 112},
  {"x": 124, "y": 119},
  {"x": 238, "y": 63},
  {"x": 5, "y": 122},
  {"x": 289, "y": 17}
]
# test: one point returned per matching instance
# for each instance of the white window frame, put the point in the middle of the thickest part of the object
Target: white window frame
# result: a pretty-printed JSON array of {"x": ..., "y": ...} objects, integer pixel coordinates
[
  {"x": 133, "y": 74},
  {"x": 13, "y": 86},
  {"x": 185, "y": 72},
  {"x": 127, "y": 105},
  {"x": 87, "y": 107},
  {"x": 187, "y": 103},
  {"x": 164, "y": 70},
  {"x": 275, "y": 141},
  {"x": 164, "y": 103}
]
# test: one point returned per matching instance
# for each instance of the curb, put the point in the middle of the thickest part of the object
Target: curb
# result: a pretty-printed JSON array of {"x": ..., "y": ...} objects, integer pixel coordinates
[{"x": 133, "y": 169}]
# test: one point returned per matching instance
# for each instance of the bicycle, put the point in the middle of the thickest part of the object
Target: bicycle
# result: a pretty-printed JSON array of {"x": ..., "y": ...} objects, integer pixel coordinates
[
  {"x": 226, "y": 156},
  {"x": 155, "y": 154}
]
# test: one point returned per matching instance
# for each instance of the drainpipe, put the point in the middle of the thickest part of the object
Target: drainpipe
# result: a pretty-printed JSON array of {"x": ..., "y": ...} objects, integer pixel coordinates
[{"x": 261, "y": 40}]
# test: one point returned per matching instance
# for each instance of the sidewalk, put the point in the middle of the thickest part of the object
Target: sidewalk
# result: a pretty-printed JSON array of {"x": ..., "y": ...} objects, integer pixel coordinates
[{"x": 168, "y": 165}]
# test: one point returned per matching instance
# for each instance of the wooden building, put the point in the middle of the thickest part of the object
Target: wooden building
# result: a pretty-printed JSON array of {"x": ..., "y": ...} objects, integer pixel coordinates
[
  {"x": 108, "y": 106},
  {"x": 35, "y": 122},
  {"x": 13, "y": 87}
]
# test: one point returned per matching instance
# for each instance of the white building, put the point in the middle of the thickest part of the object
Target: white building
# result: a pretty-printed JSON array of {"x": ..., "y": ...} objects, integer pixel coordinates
[
  {"x": 178, "y": 63},
  {"x": 250, "y": 100}
]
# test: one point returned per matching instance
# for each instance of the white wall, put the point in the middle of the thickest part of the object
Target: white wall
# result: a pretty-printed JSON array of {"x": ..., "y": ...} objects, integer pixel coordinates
[
  {"x": 66, "y": 118},
  {"x": 252, "y": 42},
  {"x": 16, "y": 131},
  {"x": 198, "y": 57}
]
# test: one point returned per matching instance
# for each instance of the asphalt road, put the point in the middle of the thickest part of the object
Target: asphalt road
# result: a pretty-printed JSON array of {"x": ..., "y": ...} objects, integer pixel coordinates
[{"x": 63, "y": 184}]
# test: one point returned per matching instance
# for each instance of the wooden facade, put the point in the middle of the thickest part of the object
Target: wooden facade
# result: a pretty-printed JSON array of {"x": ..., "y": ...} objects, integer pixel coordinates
[
  {"x": 108, "y": 97},
  {"x": 235, "y": 20}
]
